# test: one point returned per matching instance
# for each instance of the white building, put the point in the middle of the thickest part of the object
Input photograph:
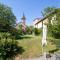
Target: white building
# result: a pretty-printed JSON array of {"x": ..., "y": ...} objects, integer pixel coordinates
[
  {"x": 42, "y": 23},
  {"x": 37, "y": 23}
]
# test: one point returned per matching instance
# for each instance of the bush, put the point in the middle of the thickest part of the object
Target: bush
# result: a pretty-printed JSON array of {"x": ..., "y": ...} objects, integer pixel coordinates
[
  {"x": 37, "y": 31},
  {"x": 9, "y": 49},
  {"x": 13, "y": 34},
  {"x": 29, "y": 30},
  {"x": 54, "y": 31},
  {"x": 8, "y": 46}
]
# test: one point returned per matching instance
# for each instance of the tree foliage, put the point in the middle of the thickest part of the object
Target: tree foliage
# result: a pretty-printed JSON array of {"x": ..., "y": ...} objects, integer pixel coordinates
[
  {"x": 48, "y": 10},
  {"x": 7, "y": 17},
  {"x": 56, "y": 25},
  {"x": 37, "y": 31},
  {"x": 53, "y": 30},
  {"x": 29, "y": 29}
]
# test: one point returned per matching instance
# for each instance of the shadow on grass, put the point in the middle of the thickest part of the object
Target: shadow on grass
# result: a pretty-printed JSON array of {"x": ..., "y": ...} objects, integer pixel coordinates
[
  {"x": 21, "y": 50},
  {"x": 23, "y": 37},
  {"x": 52, "y": 51},
  {"x": 57, "y": 43}
]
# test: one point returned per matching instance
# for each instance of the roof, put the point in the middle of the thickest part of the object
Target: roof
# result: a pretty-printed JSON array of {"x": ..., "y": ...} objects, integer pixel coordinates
[
  {"x": 37, "y": 19},
  {"x": 18, "y": 24},
  {"x": 45, "y": 17},
  {"x": 41, "y": 20}
]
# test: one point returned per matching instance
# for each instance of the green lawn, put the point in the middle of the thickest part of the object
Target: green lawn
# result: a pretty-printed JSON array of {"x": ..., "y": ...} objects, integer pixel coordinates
[{"x": 32, "y": 46}]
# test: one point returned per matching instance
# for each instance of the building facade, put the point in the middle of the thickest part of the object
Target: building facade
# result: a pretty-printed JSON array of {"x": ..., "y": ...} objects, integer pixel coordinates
[
  {"x": 22, "y": 23},
  {"x": 38, "y": 23}
]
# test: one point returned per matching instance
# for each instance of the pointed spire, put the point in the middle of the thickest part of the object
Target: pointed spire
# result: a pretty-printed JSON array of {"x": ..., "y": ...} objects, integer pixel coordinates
[{"x": 23, "y": 17}]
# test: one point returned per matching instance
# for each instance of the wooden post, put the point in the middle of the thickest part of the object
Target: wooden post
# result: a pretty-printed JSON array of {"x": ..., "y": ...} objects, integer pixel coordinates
[{"x": 44, "y": 35}]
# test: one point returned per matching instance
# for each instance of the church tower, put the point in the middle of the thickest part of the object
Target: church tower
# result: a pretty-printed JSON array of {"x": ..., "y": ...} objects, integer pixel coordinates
[{"x": 23, "y": 19}]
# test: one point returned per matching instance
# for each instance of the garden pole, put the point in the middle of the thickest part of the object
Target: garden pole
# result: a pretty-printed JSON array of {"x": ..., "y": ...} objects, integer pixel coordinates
[
  {"x": 44, "y": 41},
  {"x": 44, "y": 35}
]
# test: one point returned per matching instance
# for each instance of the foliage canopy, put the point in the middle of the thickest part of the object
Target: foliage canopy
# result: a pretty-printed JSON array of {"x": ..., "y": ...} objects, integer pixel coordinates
[{"x": 7, "y": 17}]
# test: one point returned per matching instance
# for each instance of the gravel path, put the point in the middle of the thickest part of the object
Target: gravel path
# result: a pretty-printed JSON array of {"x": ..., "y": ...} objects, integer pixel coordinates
[{"x": 41, "y": 58}]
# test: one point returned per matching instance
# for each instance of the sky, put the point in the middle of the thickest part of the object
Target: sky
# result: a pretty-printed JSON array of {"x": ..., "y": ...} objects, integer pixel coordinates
[{"x": 31, "y": 8}]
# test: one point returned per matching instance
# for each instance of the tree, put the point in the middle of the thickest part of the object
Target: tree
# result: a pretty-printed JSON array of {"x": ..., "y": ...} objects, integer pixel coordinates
[
  {"x": 20, "y": 29},
  {"x": 7, "y": 17},
  {"x": 56, "y": 25},
  {"x": 29, "y": 29},
  {"x": 53, "y": 30},
  {"x": 48, "y": 10},
  {"x": 37, "y": 31}
]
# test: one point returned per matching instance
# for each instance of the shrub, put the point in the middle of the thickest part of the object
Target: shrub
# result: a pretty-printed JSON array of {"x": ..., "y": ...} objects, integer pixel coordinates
[
  {"x": 54, "y": 31},
  {"x": 37, "y": 31},
  {"x": 9, "y": 49},
  {"x": 29, "y": 30},
  {"x": 10, "y": 35}
]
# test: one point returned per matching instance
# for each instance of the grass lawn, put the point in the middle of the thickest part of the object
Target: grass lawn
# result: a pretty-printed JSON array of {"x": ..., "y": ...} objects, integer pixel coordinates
[{"x": 32, "y": 46}]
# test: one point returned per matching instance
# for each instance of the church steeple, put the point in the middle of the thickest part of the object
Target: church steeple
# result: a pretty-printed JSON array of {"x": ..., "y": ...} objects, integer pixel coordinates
[{"x": 23, "y": 17}]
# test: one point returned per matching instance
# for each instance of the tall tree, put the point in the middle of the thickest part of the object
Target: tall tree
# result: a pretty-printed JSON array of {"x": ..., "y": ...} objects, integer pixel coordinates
[
  {"x": 48, "y": 10},
  {"x": 7, "y": 17},
  {"x": 54, "y": 30}
]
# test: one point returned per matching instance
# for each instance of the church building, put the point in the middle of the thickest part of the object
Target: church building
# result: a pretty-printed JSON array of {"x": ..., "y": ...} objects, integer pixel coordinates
[{"x": 22, "y": 23}]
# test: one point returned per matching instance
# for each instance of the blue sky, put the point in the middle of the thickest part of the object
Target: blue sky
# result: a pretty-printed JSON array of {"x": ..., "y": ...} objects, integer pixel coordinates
[{"x": 31, "y": 8}]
